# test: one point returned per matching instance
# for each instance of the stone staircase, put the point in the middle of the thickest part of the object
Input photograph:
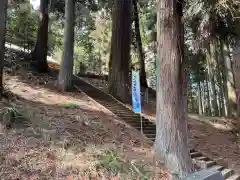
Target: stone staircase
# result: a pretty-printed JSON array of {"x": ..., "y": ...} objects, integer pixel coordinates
[{"x": 149, "y": 128}]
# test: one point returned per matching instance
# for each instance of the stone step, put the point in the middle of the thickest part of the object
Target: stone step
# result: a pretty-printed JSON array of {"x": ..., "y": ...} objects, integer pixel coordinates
[
  {"x": 234, "y": 177},
  {"x": 116, "y": 107},
  {"x": 217, "y": 167},
  {"x": 206, "y": 164},
  {"x": 137, "y": 125},
  {"x": 192, "y": 150},
  {"x": 195, "y": 154},
  {"x": 130, "y": 117},
  {"x": 202, "y": 158},
  {"x": 205, "y": 174},
  {"x": 148, "y": 130},
  {"x": 227, "y": 173}
]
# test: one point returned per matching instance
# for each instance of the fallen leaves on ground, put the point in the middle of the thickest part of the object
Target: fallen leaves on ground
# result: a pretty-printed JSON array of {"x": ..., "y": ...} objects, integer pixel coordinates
[
  {"x": 63, "y": 134},
  {"x": 215, "y": 137}
]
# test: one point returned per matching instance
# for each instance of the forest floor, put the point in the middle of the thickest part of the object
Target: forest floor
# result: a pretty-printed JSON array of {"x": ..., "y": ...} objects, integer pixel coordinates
[
  {"x": 54, "y": 135},
  {"x": 45, "y": 134},
  {"x": 216, "y": 137}
]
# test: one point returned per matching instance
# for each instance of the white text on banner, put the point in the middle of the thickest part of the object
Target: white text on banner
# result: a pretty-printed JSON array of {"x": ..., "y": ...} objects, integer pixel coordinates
[{"x": 136, "y": 95}]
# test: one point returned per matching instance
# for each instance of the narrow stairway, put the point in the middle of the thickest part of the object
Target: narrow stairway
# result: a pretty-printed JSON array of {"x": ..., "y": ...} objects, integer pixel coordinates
[
  {"x": 117, "y": 108},
  {"x": 149, "y": 128}
]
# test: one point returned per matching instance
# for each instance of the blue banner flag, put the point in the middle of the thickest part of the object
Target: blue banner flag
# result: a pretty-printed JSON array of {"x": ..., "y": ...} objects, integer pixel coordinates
[{"x": 136, "y": 95}]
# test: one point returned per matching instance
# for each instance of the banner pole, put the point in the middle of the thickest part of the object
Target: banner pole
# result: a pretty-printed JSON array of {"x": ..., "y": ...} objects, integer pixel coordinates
[{"x": 141, "y": 122}]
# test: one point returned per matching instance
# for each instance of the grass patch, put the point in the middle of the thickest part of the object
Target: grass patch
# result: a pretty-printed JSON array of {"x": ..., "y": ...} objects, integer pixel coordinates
[
  {"x": 71, "y": 105},
  {"x": 114, "y": 166},
  {"x": 11, "y": 115}
]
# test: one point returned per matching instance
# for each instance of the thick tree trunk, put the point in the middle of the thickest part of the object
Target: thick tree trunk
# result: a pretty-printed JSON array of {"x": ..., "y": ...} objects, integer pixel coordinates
[
  {"x": 211, "y": 66},
  {"x": 229, "y": 81},
  {"x": 218, "y": 83},
  {"x": 225, "y": 101},
  {"x": 120, "y": 50},
  {"x": 220, "y": 76},
  {"x": 224, "y": 88},
  {"x": 220, "y": 102},
  {"x": 222, "y": 83},
  {"x": 40, "y": 51},
  {"x": 66, "y": 70},
  {"x": 214, "y": 70},
  {"x": 3, "y": 19},
  {"x": 209, "y": 106},
  {"x": 202, "y": 89},
  {"x": 190, "y": 99},
  {"x": 236, "y": 75},
  {"x": 200, "y": 108},
  {"x": 143, "y": 78},
  {"x": 171, "y": 138}
]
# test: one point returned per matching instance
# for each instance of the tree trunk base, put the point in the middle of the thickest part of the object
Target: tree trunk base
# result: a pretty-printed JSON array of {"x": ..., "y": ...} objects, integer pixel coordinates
[
  {"x": 171, "y": 161},
  {"x": 39, "y": 63},
  {"x": 63, "y": 88}
]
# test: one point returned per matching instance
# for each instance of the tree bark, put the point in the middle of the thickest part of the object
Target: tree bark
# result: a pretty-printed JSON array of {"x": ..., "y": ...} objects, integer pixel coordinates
[
  {"x": 3, "y": 19},
  {"x": 66, "y": 70},
  {"x": 211, "y": 66},
  {"x": 236, "y": 75},
  {"x": 209, "y": 106},
  {"x": 202, "y": 89},
  {"x": 190, "y": 99},
  {"x": 219, "y": 91},
  {"x": 224, "y": 80},
  {"x": 229, "y": 81},
  {"x": 171, "y": 138},
  {"x": 143, "y": 77},
  {"x": 200, "y": 108},
  {"x": 120, "y": 50},
  {"x": 40, "y": 51}
]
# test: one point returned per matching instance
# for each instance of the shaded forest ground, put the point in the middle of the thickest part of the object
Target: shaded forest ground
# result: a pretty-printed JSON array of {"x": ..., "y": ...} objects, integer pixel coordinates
[
  {"x": 216, "y": 137},
  {"x": 68, "y": 135},
  {"x": 64, "y": 135}
]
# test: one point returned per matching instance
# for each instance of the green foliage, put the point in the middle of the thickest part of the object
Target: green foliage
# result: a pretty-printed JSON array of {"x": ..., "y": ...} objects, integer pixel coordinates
[
  {"x": 148, "y": 20},
  {"x": 197, "y": 66},
  {"x": 12, "y": 111},
  {"x": 71, "y": 105},
  {"x": 209, "y": 19},
  {"x": 92, "y": 43},
  {"x": 11, "y": 115},
  {"x": 55, "y": 35},
  {"x": 22, "y": 27},
  {"x": 112, "y": 163}
]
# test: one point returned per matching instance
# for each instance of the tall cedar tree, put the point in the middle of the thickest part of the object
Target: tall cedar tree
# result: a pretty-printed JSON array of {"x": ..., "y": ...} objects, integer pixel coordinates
[
  {"x": 3, "y": 17},
  {"x": 211, "y": 65},
  {"x": 40, "y": 51},
  {"x": 66, "y": 70},
  {"x": 143, "y": 78},
  {"x": 171, "y": 138},
  {"x": 229, "y": 79},
  {"x": 120, "y": 50}
]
